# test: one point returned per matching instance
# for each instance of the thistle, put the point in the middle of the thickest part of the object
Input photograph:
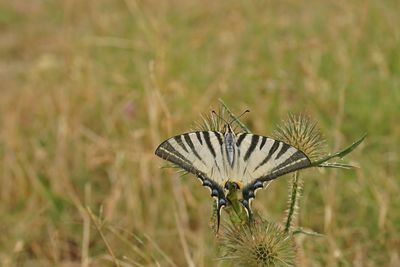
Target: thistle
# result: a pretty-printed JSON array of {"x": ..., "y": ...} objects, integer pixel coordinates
[
  {"x": 209, "y": 122},
  {"x": 302, "y": 133},
  {"x": 262, "y": 244}
]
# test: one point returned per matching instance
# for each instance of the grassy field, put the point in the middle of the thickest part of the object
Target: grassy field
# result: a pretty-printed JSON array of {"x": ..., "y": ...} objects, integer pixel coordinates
[{"x": 90, "y": 88}]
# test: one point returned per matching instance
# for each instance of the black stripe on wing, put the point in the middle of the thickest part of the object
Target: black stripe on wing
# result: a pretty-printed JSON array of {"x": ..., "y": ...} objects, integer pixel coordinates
[
  {"x": 240, "y": 139},
  {"x": 252, "y": 147},
  {"x": 220, "y": 141},
  {"x": 198, "y": 135},
  {"x": 168, "y": 152},
  {"x": 206, "y": 136},
  {"x": 188, "y": 140},
  {"x": 219, "y": 137},
  {"x": 179, "y": 141},
  {"x": 295, "y": 162},
  {"x": 263, "y": 141},
  {"x": 282, "y": 151},
  {"x": 272, "y": 150}
]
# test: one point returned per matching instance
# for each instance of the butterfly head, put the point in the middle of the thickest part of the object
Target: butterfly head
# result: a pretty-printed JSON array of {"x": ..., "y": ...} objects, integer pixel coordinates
[
  {"x": 228, "y": 129},
  {"x": 233, "y": 185},
  {"x": 227, "y": 124}
]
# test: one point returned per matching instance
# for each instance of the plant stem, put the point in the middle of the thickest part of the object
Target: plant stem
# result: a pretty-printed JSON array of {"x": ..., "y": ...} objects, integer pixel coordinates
[
  {"x": 294, "y": 195},
  {"x": 98, "y": 228}
]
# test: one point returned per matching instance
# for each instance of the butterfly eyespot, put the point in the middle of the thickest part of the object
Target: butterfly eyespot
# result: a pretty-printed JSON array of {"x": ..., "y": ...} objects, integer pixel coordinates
[
  {"x": 214, "y": 193},
  {"x": 207, "y": 183},
  {"x": 258, "y": 184}
]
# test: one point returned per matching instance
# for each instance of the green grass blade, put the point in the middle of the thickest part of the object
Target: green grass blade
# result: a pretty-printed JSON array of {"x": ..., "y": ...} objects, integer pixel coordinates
[
  {"x": 306, "y": 232},
  {"x": 339, "y": 154},
  {"x": 336, "y": 165},
  {"x": 233, "y": 117}
]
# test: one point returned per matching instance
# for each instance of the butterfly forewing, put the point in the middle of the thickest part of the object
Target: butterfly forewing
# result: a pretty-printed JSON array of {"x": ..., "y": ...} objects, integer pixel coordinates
[
  {"x": 197, "y": 152},
  {"x": 263, "y": 158}
]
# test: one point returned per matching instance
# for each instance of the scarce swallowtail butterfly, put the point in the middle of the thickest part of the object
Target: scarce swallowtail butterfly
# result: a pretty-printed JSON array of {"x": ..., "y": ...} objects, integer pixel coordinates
[{"x": 225, "y": 159}]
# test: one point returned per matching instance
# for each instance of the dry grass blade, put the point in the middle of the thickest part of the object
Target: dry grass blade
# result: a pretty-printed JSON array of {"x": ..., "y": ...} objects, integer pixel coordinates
[
  {"x": 210, "y": 122},
  {"x": 183, "y": 241},
  {"x": 98, "y": 228}
]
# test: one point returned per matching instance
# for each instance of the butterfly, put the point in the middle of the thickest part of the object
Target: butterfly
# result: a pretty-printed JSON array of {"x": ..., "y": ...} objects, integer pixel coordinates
[{"x": 222, "y": 160}]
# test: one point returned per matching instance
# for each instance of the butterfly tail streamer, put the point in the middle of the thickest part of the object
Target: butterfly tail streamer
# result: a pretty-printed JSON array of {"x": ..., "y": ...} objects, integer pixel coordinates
[
  {"x": 221, "y": 202},
  {"x": 246, "y": 205}
]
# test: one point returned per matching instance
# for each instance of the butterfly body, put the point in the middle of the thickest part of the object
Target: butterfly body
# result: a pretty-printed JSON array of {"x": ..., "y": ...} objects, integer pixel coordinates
[
  {"x": 230, "y": 145},
  {"x": 228, "y": 162}
]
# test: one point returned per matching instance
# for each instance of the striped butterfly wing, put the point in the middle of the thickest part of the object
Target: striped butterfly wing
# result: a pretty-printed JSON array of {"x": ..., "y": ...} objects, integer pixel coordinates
[
  {"x": 200, "y": 153},
  {"x": 261, "y": 159}
]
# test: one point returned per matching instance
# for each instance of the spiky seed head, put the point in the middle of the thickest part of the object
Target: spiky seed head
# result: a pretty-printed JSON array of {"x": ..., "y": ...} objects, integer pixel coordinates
[
  {"x": 210, "y": 122},
  {"x": 262, "y": 244},
  {"x": 216, "y": 122},
  {"x": 302, "y": 133}
]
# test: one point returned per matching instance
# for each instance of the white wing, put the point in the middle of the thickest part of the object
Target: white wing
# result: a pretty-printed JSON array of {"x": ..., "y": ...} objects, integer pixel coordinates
[
  {"x": 262, "y": 158},
  {"x": 198, "y": 153}
]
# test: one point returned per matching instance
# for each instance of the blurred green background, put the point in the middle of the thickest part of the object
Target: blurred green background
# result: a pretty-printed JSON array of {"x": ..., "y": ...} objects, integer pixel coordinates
[{"x": 90, "y": 88}]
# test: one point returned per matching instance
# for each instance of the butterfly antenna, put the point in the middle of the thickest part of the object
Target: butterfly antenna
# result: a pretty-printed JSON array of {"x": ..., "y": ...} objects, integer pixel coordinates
[
  {"x": 238, "y": 117},
  {"x": 220, "y": 117}
]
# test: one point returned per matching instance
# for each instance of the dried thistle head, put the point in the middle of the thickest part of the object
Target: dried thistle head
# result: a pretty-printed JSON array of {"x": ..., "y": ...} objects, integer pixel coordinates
[
  {"x": 216, "y": 120},
  {"x": 302, "y": 133},
  {"x": 262, "y": 244},
  {"x": 210, "y": 122}
]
